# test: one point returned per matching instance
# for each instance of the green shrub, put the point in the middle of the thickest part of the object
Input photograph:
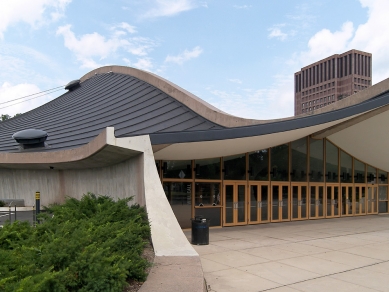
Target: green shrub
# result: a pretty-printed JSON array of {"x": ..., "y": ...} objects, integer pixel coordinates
[
  {"x": 2, "y": 203},
  {"x": 92, "y": 244}
]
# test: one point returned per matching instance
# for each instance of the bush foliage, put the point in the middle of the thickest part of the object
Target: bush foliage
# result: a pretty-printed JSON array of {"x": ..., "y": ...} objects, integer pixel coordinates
[{"x": 92, "y": 244}]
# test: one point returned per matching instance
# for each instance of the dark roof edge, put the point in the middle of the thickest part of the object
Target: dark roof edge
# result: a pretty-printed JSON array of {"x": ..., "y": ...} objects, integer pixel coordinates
[{"x": 274, "y": 127}]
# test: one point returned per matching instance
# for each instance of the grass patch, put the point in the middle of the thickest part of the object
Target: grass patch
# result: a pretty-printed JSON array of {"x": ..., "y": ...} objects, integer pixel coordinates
[{"x": 92, "y": 244}]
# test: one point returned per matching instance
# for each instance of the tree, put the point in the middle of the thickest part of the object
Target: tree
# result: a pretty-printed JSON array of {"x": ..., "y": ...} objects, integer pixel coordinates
[{"x": 7, "y": 117}]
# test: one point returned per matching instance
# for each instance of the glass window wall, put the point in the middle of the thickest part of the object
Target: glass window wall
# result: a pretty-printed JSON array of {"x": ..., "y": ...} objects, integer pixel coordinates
[
  {"x": 299, "y": 160},
  {"x": 359, "y": 171},
  {"x": 332, "y": 162},
  {"x": 179, "y": 197},
  {"x": 259, "y": 165},
  {"x": 279, "y": 170},
  {"x": 316, "y": 160},
  {"x": 235, "y": 167},
  {"x": 371, "y": 175},
  {"x": 382, "y": 177},
  {"x": 207, "y": 168},
  {"x": 383, "y": 199},
  {"x": 207, "y": 194},
  {"x": 179, "y": 169},
  {"x": 346, "y": 166}
]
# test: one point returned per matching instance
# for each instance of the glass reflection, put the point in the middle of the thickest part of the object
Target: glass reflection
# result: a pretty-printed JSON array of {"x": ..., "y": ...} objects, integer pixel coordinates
[
  {"x": 229, "y": 208},
  {"x": 316, "y": 164},
  {"x": 371, "y": 175},
  {"x": 264, "y": 203},
  {"x": 332, "y": 157},
  {"x": 235, "y": 167},
  {"x": 275, "y": 202},
  {"x": 259, "y": 165},
  {"x": 359, "y": 171},
  {"x": 346, "y": 166},
  {"x": 207, "y": 168},
  {"x": 254, "y": 200},
  {"x": 207, "y": 194},
  {"x": 280, "y": 163},
  {"x": 241, "y": 203},
  {"x": 179, "y": 197},
  {"x": 299, "y": 160},
  {"x": 177, "y": 169},
  {"x": 382, "y": 177}
]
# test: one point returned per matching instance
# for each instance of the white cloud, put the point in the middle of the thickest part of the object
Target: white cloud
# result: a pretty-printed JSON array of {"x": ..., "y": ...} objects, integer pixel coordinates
[
  {"x": 275, "y": 32},
  {"x": 242, "y": 6},
  {"x": 272, "y": 102},
  {"x": 89, "y": 47},
  {"x": 184, "y": 56},
  {"x": 325, "y": 43},
  {"x": 127, "y": 27},
  {"x": 141, "y": 63},
  {"x": 35, "y": 13},
  {"x": 370, "y": 36},
  {"x": 160, "y": 8},
  {"x": 235, "y": 80},
  {"x": 10, "y": 92}
]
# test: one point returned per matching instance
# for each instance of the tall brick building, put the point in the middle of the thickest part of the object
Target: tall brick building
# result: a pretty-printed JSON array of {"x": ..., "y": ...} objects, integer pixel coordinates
[{"x": 331, "y": 79}]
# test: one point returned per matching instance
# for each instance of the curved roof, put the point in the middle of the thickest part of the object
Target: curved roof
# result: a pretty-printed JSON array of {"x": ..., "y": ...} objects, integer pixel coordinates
[
  {"x": 130, "y": 105},
  {"x": 180, "y": 125}
]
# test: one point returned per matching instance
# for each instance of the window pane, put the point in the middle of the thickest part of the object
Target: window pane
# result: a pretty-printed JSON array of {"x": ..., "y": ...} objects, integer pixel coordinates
[
  {"x": 259, "y": 165},
  {"x": 207, "y": 168},
  {"x": 332, "y": 157},
  {"x": 359, "y": 171},
  {"x": 345, "y": 167},
  {"x": 383, "y": 193},
  {"x": 235, "y": 167},
  {"x": 299, "y": 160},
  {"x": 177, "y": 169},
  {"x": 382, "y": 177},
  {"x": 316, "y": 161},
  {"x": 371, "y": 174},
  {"x": 207, "y": 194},
  {"x": 279, "y": 163},
  {"x": 179, "y": 197}
]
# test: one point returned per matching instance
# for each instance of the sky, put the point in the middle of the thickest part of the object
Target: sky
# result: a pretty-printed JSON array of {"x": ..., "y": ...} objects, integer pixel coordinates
[{"x": 239, "y": 56}]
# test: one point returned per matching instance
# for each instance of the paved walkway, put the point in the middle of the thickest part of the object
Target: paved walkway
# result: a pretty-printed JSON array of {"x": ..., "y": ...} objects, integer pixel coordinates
[{"x": 344, "y": 254}]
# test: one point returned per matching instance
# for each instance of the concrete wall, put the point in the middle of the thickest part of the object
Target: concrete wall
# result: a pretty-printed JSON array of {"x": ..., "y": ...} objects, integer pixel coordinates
[
  {"x": 175, "y": 259},
  {"x": 118, "y": 181}
]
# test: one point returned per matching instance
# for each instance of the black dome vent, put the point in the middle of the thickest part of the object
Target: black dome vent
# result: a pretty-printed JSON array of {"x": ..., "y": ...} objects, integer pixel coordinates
[
  {"x": 31, "y": 138},
  {"x": 72, "y": 85}
]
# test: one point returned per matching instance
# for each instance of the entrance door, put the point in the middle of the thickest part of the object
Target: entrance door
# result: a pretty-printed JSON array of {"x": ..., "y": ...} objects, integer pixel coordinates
[
  {"x": 280, "y": 202},
  {"x": 333, "y": 203},
  {"x": 372, "y": 192},
  {"x": 259, "y": 210},
  {"x": 299, "y": 202},
  {"x": 360, "y": 199},
  {"x": 316, "y": 201},
  {"x": 348, "y": 200},
  {"x": 234, "y": 204}
]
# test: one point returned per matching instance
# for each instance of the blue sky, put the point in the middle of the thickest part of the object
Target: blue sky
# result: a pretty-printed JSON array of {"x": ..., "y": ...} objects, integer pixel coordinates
[{"x": 239, "y": 56}]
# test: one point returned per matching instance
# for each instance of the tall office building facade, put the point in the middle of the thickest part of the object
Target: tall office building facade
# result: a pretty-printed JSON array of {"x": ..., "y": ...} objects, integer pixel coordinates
[{"x": 331, "y": 79}]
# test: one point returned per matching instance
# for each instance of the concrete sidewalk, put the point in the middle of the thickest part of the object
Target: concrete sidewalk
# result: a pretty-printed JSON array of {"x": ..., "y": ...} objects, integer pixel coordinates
[{"x": 343, "y": 254}]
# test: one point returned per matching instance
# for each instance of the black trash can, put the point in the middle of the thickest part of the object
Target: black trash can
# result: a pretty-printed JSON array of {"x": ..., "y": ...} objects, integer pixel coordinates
[{"x": 200, "y": 231}]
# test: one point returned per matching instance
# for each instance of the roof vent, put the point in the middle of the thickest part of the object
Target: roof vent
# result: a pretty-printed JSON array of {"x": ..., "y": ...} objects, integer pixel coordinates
[
  {"x": 31, "y": 138},
  {"x": 72, "y": 85}
]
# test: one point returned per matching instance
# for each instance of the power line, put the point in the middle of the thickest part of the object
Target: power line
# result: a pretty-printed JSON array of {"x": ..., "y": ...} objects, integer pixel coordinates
[
  {"x": 31, "y": 98},
  {"x": 34, "y": 94}
]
